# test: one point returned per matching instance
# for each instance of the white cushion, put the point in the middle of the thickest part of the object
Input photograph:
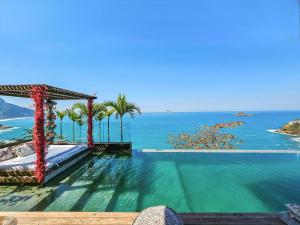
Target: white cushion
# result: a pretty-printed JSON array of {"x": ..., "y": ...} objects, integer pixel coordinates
[
  {"x": 23, "y": 150},
  {"x": 6, "y": 154},
  {"x": 56, "y": 154}
]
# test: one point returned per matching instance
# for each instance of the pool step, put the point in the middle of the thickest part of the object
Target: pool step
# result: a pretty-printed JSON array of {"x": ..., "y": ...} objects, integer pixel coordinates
[
  {"x": 102, "y": 197},
  {"x": 127, "y": 199},
  {"x": 127, "y": 202},
  {"x": 69, "y": 195},
  {"x": 64, "y": 185},
  {"x": 95, "y": 171},
  {"x": 73, "y": 177},
  {"x": 165, "y": 175}
]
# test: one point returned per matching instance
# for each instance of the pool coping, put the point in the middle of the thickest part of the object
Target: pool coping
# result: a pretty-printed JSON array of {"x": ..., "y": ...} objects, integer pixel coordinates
[{"x": 220, "y": 151}]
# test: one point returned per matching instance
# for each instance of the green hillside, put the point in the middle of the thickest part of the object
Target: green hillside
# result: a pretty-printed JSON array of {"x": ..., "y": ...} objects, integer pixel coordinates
[{"x": 8, "y": 110}]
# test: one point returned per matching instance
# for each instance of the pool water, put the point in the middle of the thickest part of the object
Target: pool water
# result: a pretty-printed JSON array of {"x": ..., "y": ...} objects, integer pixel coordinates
[{"x": 187, "y": 182}]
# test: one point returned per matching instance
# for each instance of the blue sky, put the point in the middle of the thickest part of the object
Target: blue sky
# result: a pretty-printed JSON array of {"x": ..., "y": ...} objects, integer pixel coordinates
[{"x": 201, "y": 55}]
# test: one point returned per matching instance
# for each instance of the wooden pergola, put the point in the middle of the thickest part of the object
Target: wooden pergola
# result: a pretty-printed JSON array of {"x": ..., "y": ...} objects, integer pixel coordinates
[
  {"x": 52, "y": 93},
  {"x": 40, "y": 94}
]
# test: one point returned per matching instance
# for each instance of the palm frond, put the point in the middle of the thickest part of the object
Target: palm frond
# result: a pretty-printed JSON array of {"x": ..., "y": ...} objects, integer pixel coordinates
[
  {"x": 61, "y": 114},
  {"x": 81, "y": 107},
  {"x": 132, "y": 109},
  {"x": 80, "y": 121},
  {"x": 100, "y": 116},
  {"x": 72, "y": 115},
  {"x": 97, "y": 108},
  {"x": 109, "y": 111},
  {"x": 121, "y": 106}
]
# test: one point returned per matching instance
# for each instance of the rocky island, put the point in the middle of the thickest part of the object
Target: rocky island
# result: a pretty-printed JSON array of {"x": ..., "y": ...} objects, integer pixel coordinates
[
  {"x": 291, "y": 128},
  {"x": 2, "y": 127},
  {"x": 244, "y": 114}
]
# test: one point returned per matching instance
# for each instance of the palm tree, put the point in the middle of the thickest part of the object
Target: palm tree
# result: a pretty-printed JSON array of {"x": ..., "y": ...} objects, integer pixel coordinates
[
  {"x": 80, "y": 123},
  {"x": 122, "y": 107},
  {"x": 99, "y": 117},
  {"x": 61, "y": 115},
  {"x": 97, "y": 107},
  {"x": 74, "y": 117},
  {"x": 109, "y": 111}
]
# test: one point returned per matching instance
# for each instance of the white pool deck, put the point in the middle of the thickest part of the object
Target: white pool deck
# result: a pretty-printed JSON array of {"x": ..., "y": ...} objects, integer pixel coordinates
[{"x": 220, "y": 151}]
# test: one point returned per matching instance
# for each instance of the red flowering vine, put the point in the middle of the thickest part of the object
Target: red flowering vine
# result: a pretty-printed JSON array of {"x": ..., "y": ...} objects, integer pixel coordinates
[{"x": 38, "y": 94}]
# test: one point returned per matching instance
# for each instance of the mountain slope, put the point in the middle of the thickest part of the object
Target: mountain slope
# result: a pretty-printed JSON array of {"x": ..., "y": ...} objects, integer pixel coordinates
[{"x": 8, "y": 110}]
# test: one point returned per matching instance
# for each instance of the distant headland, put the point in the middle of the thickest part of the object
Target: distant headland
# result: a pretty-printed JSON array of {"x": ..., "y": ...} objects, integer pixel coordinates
[
  {"x": 291, "y": 128},
  {"x": 244, "y": 114},
  {"x": 8, "y": 110}
]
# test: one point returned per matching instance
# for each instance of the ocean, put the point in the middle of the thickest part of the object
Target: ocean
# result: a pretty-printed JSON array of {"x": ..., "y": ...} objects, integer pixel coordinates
[{"x": 151, "y": 130}]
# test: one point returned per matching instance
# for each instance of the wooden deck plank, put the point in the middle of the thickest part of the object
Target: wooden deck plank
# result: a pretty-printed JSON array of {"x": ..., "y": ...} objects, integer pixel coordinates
[{"x": 119, "y": 218}]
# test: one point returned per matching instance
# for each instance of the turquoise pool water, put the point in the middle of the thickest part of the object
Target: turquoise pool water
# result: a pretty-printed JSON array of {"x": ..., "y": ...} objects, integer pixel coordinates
[{"x": 187, "y": 182}]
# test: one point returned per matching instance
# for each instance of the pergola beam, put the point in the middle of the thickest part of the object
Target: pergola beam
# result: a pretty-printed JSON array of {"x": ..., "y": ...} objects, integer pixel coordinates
[
  {"x": 50, "y": 96},
  {"x": 52, "y": 93}
]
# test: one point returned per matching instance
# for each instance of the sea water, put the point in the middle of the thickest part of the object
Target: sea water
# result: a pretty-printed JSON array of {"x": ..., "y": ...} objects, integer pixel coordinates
[{"x": 152, "y": 130}]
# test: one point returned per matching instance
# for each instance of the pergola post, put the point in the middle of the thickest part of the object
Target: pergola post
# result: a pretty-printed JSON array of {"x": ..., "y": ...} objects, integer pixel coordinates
[
  {"x": 50, "y": 122},
  {"x": 90, "y": 123},
  {"x": 38, "y": 94}
]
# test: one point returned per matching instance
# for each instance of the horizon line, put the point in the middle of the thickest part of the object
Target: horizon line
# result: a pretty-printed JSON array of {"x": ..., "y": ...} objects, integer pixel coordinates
[{"x": 229, "y": 111}]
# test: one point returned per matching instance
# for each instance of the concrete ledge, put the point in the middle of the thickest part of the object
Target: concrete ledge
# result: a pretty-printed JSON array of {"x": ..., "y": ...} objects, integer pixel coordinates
[{"x": 221, "y": 151}]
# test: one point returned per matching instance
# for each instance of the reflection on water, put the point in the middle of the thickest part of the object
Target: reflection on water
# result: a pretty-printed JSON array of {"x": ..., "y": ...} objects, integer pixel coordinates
[{"x": 187, "y": 182}]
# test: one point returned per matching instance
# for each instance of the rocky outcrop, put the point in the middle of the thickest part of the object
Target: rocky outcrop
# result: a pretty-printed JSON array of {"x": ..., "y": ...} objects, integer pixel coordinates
[
  {"x": 2, "y": 127},
  {"x": 291, "y": 128}
]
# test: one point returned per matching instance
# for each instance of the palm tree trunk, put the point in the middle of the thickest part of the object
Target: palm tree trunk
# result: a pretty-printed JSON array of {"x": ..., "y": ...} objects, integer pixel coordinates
[
  {"x": 103, "y": 132},
  {"x": 73, "y": 131},
  {"x": 60, "y": 129},
  {"x": 108, "y": 129},
  {"x": 99, "y": 131},
  {"x": 79, "y": 133},
  {"x": 121, "y": 128}
]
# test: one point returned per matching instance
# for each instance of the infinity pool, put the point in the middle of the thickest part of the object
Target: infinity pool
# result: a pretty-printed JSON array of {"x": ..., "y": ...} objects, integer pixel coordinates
[{"x": 187, "y": 182}]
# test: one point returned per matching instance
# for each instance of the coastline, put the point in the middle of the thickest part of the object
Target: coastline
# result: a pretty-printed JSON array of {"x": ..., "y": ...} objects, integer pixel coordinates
[
  {"x": 220, "y": 151},
  {"x": 278, "y": 132},
  {"x": 9, "y": 129},
  {"x": 294, "y": 137},
  {"x": 16, "y": 118}
]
